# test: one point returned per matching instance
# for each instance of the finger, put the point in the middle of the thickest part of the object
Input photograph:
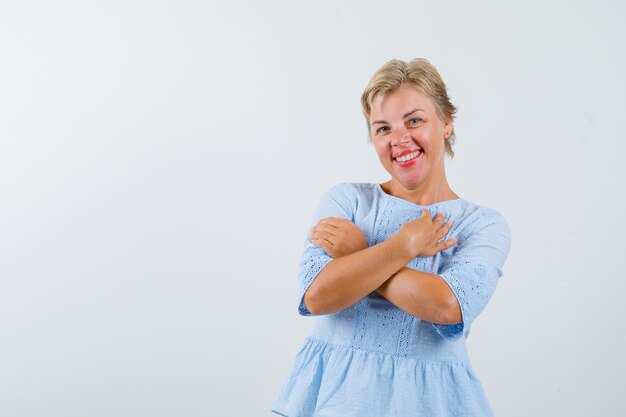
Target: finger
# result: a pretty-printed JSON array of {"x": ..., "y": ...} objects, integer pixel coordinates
[
  {"x": 445, "y": 228},
  {"x": 320, "y": 234},
  {"x": 346, "y": 224},
  {"x": 446, "y": 244},
  {"x": 342, "y": 219},
  {"x": 325, "y": 220},
  {"x": 425, "y": 213},
  {"x": 325, "y": 228},
  {"x": 324, "y": 244},
  {"x": 332, "y": 221}
]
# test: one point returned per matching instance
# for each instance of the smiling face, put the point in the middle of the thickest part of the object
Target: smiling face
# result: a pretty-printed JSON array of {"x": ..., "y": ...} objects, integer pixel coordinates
[{"x": 410, "y": 139}]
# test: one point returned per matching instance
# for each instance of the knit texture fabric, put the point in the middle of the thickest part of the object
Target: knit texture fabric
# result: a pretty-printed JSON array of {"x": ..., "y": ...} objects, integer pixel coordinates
[{"x": 373, "y": 359}]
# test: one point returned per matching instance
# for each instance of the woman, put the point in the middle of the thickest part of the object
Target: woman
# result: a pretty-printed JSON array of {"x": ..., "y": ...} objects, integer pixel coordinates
[{"x": 396, "y": 271}]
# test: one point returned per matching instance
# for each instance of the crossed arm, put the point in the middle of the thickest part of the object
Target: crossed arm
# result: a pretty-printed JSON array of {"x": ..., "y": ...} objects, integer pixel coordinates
[{"x": 357, "y": 270}]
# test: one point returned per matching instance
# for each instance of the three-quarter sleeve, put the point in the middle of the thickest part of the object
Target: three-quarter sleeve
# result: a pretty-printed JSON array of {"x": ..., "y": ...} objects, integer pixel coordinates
[
  {"x": 339, "y": 201},
  {"x": 473, "y": 270}
]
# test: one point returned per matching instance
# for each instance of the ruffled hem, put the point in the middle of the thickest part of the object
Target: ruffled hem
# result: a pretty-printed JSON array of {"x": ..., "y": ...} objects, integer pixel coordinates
[{"x": 328, "y": 381}]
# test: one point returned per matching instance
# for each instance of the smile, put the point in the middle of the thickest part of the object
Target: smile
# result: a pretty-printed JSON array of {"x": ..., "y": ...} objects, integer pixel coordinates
[{"x": 407, "y": 158}]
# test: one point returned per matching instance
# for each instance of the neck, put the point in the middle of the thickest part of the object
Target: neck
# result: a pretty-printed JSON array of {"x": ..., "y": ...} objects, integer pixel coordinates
[{"x": 421, "y": 194}]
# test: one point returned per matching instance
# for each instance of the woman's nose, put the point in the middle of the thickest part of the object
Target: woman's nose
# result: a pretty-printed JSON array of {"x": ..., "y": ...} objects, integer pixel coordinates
[{"x": 400, "y": 138}]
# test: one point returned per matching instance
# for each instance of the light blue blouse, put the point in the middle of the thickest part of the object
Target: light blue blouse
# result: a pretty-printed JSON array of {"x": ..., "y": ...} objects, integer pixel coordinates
[{"x": 373, "y": 359}]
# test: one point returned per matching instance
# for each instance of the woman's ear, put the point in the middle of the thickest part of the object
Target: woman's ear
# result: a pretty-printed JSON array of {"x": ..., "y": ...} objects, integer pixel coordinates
[{"x": 447, "y": 129}]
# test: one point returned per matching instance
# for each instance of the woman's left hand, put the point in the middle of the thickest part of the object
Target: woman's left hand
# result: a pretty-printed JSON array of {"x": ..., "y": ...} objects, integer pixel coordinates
[{"x": 338, "y": 236}]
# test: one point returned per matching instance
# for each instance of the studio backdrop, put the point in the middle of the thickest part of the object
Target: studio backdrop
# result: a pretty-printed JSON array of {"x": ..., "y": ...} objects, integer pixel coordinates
[{"x": 160, "y": 162}]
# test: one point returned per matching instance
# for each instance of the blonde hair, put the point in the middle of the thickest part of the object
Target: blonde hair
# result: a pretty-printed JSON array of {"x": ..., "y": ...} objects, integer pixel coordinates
[{"x": 419, "y": 74}]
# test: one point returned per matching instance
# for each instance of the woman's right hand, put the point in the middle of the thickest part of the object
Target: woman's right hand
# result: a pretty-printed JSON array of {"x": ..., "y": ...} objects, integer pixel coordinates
[
  {"x": 338, "y": 237},
  {"x": 422, "y": 237}
]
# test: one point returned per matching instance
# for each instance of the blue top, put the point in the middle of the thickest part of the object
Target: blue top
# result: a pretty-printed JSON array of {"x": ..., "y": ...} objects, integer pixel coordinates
[{"x": 373, "y": 359}]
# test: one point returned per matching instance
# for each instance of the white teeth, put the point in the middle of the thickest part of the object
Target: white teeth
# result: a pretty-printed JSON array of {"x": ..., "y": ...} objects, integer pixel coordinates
[{"x": 408, "y": 157}]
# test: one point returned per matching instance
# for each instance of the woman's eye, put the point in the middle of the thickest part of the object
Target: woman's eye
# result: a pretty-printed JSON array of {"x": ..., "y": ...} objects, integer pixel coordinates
[
  {"x": 382, "y": 129},
  {"x": 415, "y": 120}
]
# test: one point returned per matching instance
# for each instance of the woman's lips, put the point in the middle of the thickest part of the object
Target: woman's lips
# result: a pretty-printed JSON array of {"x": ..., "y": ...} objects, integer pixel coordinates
[{"x": 407, "y": 158}]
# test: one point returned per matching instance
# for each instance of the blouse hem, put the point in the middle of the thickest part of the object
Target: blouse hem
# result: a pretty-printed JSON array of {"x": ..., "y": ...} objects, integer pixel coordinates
[{"x": 311, "y": 339}]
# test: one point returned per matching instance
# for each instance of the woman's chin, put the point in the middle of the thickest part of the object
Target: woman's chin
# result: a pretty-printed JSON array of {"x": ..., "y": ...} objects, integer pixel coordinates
[{"x": 409, "y": 182}]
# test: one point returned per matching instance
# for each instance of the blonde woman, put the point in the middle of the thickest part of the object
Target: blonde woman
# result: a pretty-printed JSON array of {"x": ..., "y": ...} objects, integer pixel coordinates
[{"x": 396, "y": 272}]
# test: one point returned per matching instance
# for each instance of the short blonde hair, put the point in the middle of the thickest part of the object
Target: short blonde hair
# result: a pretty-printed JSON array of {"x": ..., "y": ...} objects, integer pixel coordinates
[{"x": 421, "y": 75}]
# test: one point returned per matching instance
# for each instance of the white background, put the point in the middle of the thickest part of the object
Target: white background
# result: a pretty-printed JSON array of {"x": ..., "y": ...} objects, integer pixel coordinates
[{"x": 160, "y": 161}]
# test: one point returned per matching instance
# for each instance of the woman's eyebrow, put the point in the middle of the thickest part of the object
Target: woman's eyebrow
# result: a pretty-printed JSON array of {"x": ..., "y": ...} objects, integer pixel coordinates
[
  {"x": 406, "y": 115},
  {"x": 411, "y": 112}
]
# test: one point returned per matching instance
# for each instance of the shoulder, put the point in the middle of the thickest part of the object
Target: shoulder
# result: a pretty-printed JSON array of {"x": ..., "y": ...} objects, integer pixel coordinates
[
  {"x": 344, "y": 200},
  {"x": 486, "y": 217},
  {"x": 353, "y": 188},
  {"x": 474, "y": 217},
  {"x": 349, "y": 191},
  {"x": 484, "y": 229}
]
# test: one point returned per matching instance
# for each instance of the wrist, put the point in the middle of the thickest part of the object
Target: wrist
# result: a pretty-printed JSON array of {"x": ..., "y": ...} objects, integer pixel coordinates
[{"x": 405, "y": 246}]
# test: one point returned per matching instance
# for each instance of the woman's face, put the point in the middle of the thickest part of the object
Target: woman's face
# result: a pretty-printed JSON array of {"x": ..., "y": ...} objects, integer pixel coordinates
[{"x": 409, "y": 137}]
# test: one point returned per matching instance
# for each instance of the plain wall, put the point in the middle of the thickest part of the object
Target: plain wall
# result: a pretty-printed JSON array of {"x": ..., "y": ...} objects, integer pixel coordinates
[{"x": 160, "y": 161}]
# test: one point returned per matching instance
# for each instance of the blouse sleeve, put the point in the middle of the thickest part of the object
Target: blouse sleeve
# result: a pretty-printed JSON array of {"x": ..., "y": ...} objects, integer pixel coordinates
[
  {"x": 473, "y": 270},
  {"x": 339, "y": 201}
]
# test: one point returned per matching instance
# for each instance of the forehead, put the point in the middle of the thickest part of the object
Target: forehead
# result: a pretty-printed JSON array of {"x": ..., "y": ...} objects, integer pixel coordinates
[{"x": 399, "y": 102}]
